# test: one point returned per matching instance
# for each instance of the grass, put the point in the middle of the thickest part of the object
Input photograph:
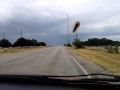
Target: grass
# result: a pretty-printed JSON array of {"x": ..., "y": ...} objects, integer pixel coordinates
[
  {"x": 101, "y": 57},
  {"x": 14, "y": 49}
]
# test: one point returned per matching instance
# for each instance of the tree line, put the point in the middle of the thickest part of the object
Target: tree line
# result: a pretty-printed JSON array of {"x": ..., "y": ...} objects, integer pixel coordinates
[
  {"x": 100, "y": 42},
  {"x": 110, "y": 45},
  {"x": 21, "y": 42}
]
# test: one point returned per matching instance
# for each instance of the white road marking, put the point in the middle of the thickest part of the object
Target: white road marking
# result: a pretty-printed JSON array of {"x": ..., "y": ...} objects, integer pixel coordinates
[
  {"x": 41, "y": 54},
  {"x": 79, "y": 65}
]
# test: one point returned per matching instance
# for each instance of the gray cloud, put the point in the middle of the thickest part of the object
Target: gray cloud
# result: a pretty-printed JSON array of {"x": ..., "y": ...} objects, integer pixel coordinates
[{"x": 47, "y": 20}]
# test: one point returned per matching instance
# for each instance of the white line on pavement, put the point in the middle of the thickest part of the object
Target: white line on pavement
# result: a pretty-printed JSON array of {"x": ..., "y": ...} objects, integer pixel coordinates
[
  {"x": 79, "y": 64},
  {"x": 41, "y": 54}
]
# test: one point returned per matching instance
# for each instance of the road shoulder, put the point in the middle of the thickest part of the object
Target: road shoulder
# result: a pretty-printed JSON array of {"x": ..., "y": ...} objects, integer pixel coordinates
[{"x": 89, "y": 66}]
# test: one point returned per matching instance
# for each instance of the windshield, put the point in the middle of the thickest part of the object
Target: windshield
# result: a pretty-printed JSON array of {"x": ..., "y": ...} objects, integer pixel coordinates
[{"x": 60, "y": 37}]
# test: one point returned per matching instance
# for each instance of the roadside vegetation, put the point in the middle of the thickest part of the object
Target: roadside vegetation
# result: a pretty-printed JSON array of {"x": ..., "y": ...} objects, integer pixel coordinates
[
  {"x": 104, "y": 52},
  {"x": 77, "y": 43},
  {"x": 20, "y": 44},
  {"x": 110, "y": 45},
  {"x": 19, "y": 49},
  {"x": 100, "y": 56}
]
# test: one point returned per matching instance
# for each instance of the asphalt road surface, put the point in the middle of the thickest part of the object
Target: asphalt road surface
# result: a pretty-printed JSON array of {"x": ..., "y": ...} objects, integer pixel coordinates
[{"x": 48, "y": 61}]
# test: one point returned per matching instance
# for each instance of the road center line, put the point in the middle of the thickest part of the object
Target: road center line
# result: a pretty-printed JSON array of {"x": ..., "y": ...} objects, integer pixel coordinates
[{"x": 79, "y": 64}]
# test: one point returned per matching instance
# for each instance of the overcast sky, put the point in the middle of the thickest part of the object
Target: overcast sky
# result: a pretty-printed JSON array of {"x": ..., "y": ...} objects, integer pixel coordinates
[{"x": 46, "y": 20}]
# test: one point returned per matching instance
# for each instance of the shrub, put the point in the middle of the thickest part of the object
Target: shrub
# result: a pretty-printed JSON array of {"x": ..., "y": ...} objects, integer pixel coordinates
[
  {"x": 65, "y": 45},
  {"x": 116, "y": 49},
  {"x": 69, "y": 45},
  {"x": 77, "y": 44},
  {"x": 112, "y": 49}
]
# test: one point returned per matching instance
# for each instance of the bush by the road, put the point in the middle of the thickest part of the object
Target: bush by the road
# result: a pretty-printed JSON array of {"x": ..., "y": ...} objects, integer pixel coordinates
[
  {"x": 112, "y": 49},
  {"x": 77, "y": 44}
]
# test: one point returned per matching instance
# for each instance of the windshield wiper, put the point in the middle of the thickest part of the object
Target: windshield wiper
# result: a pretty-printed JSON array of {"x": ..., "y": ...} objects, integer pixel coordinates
[
  {"x": 84, "y": 75},
  {"x": 61, "y": 79},
  {"x": 41, "y": 79}
]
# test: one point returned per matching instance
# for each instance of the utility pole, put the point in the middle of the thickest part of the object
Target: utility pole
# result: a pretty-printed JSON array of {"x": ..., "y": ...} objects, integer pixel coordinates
[
  {"x": 3, "y": 35},
  {"x": 67, "y": 29},
  {"x": 76, "y": 35},
  {"x": 68, "y": 34},
  {"x": 46, "y": 42},
  {"x": 21, "y": 39},
  {"x": 21, "y": 33}
]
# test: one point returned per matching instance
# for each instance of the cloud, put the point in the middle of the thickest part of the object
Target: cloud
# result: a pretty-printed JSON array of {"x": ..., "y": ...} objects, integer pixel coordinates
[{"x": 47, "y": 19}]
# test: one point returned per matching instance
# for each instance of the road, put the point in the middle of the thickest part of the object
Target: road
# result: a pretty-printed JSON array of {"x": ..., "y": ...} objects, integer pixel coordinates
[{"x": 49, "y": 61}]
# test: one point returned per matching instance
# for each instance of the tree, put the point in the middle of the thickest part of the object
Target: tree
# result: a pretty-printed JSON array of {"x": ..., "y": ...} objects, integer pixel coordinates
[
  {"x": 69, "y": 45},
  {"x": 103, "y": 41},
  {"x": 43, "y": 44},
  {"x": 29, "y": 42},
  {"x": 4, "y": 43},
  {"x": 77, "y": 44},
  {"x": 34, "y": 41},
  {"x": 20, "y": 42}
]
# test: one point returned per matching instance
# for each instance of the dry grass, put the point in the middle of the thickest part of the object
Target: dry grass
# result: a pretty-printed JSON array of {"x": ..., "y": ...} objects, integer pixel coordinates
[
  {"x": 12, "y": 49},
  {"x": 101, "y": 57}
]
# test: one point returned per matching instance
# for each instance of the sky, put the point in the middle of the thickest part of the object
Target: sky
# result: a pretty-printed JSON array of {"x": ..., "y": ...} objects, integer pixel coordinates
[{"x": 46, "y": 20}]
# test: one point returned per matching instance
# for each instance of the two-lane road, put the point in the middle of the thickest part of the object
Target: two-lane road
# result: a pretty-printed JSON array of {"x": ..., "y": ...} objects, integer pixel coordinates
[{"x": 49, "y": 61}]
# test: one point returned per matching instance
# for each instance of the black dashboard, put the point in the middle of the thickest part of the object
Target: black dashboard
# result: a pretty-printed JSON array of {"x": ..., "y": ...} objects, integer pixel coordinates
[
  {"x": 25, "y": 86},
  {"x": 34, "y": 82}
]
